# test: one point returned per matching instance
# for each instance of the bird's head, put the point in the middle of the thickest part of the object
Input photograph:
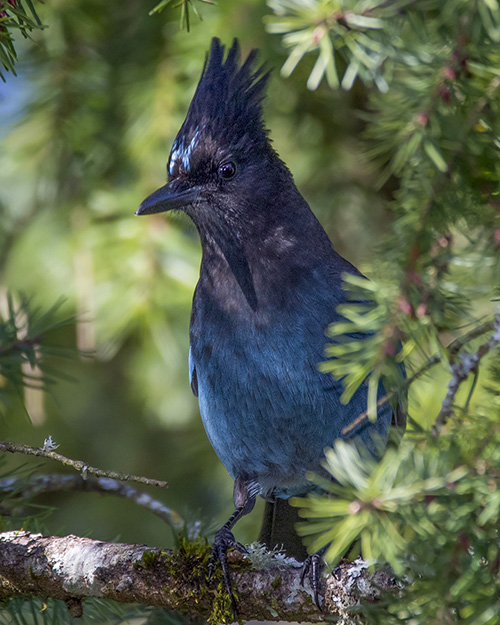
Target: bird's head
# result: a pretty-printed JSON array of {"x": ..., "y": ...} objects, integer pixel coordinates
[
  {"x": 222, "y": 153},
  {"x": 222, "y": 169}
]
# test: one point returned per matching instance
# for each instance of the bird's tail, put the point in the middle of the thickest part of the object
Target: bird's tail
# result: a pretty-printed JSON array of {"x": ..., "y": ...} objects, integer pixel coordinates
[{"x": 278, "y": 529}]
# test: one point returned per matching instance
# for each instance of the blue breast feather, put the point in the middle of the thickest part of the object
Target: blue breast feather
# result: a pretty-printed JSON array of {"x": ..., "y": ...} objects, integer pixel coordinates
[{"x": 267, "y": 410}]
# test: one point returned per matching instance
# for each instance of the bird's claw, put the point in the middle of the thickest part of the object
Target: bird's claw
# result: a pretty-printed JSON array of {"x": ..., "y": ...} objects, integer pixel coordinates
[
  {"x": 223, "y": 541},
  {"x": 312, "y": 569}
]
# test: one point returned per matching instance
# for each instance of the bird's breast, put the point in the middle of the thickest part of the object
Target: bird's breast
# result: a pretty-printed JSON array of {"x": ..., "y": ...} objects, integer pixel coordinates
[{"x": 267, "y": 410}]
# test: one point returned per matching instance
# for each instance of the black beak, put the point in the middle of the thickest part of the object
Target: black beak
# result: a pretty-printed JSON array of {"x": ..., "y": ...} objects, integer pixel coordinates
[{"x": 166, "y": 198}]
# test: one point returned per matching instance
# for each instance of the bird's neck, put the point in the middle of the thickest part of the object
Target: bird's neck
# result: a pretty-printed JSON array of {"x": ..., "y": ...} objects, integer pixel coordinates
[{"x": 261, "y": 267}]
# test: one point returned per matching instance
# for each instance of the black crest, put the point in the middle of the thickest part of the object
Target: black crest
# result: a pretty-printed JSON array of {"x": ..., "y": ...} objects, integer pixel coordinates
[{"x": 228, "y": 99}]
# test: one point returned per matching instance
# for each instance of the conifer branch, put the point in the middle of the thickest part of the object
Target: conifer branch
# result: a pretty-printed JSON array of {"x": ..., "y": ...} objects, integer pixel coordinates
[
  {"x": 466, "y": 364},
  {"x": 453, "y": 348},
  {"x": 21, "y": 345},
  {"x": 47, "y": 452}
]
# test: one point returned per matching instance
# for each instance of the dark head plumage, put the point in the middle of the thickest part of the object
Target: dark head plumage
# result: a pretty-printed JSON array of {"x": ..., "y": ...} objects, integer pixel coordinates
[
  {"x": 226, "y": 106},
  {"x": 229, "y": 93},
  {"x": 224, "y": 174}
]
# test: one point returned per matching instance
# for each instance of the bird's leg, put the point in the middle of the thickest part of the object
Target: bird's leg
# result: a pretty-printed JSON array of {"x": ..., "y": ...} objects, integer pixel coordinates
[
  {"x": 312, "y": 568},
  {"x": 224, "y": 540},
  {"x": 244, "y": 501}
]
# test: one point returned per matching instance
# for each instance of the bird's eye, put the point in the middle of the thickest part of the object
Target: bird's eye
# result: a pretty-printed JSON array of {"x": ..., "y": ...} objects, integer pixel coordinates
[{"x": 227, "y": 170}]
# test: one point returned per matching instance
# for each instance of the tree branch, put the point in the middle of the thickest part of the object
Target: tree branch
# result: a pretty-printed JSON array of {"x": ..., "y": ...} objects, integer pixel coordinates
[
  {"x": 73, "y": 568},
  {"x": 453, "y": 348},
  {"x": 466, "y": 364},
  {"x": 47, "y": 452},
  {"x": 59, "y": 482}
]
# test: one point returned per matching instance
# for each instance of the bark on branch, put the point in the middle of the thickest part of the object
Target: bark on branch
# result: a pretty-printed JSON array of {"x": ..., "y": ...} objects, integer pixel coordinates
[{"x": 73, "y": 568}]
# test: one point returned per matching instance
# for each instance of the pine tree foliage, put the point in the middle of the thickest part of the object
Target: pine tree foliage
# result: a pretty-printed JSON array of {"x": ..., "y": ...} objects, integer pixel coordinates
[
  {"x": 185, "y": 5},
  {"x": 430, "y": 508},
  {"x": 15, "y": 17},
  {"x": 24, "y": 349},
  {"x": 97, "y": 612}
]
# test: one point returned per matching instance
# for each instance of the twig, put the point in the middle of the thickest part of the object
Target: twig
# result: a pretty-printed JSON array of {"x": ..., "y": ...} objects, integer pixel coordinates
[
  {"x": 460, "y": 370},
  {"x": 58, "y": 482},
  {"x": 21, "y": 344},
  {"x": 84, "y": 468},
  {"x": 453, "y": 348}
]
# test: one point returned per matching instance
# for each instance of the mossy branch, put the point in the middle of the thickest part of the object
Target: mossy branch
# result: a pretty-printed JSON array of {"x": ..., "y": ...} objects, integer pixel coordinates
[{"x": 72, "y": 569}]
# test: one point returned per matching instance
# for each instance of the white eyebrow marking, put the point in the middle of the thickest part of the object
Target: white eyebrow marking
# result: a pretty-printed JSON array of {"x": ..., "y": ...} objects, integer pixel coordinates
[
  {"x": 181, "y": 153},
  {"x": 175, "y": 154}
]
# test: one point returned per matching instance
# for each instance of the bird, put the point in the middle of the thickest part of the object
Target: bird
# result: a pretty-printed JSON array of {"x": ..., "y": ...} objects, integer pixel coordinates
[{"x": 269, "y": 286}]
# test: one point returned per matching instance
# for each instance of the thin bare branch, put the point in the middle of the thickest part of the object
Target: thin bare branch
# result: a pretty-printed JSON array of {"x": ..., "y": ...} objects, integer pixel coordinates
[
  {"x": 60, "y": 482},
  {"x": 465, "y": 364},
  {"x": 79, "y": 465}
]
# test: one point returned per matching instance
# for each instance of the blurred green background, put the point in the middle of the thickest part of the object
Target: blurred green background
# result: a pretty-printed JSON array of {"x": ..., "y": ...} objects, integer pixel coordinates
[{"x": 86, "y": 129}]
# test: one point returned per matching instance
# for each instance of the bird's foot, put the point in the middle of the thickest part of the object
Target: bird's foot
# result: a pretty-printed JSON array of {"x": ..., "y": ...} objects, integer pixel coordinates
[
  {"x": 223, "y": 541},
  {"x": 312, "y": 569}
]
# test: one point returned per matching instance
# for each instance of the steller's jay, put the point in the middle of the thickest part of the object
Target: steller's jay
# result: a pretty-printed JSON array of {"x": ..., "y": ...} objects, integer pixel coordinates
[{"x": 270, "y": 283}]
